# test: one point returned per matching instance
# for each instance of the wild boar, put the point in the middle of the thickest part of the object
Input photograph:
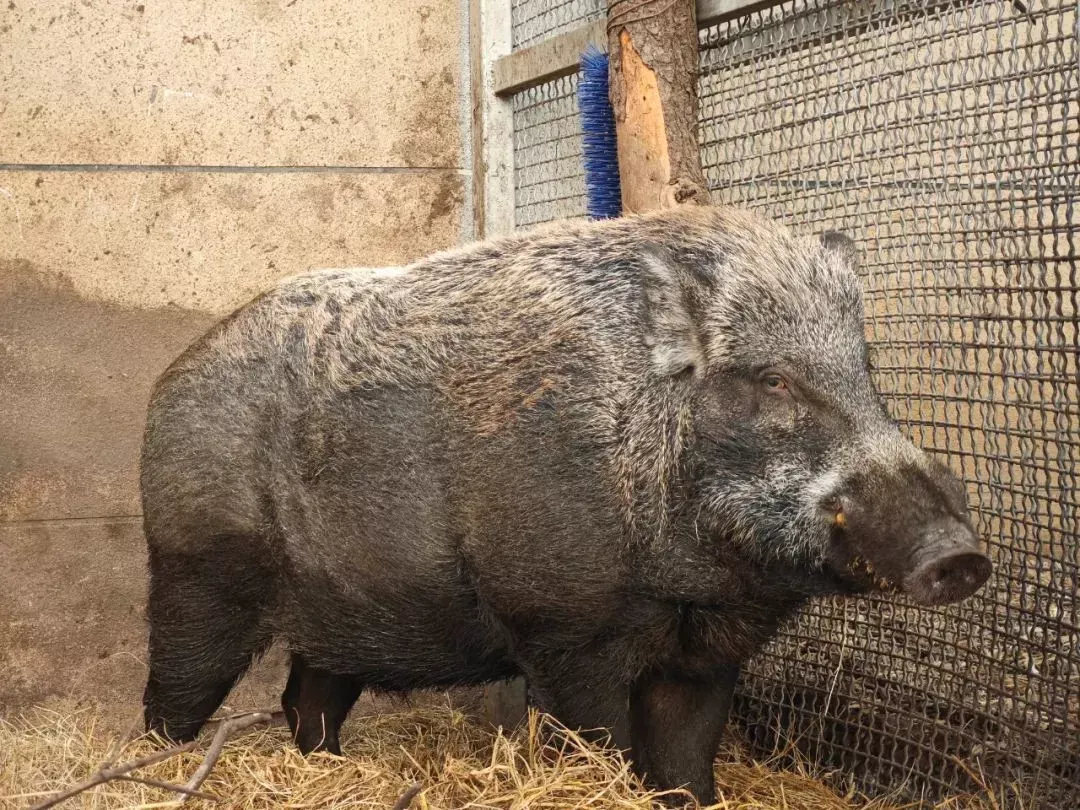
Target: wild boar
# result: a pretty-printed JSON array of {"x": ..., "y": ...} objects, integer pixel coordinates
[{"x": 612, "y": 457}]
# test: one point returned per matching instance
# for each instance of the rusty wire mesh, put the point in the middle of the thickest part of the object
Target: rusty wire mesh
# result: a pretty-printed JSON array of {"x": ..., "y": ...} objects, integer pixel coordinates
[{"x": 945, "y": 138}]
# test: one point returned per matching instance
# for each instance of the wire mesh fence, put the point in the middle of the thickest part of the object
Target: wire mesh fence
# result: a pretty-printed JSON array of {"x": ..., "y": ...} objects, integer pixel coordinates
[
  {"x": 549, "y": 176},
  {"x": 536, "y": 20},
  {"x": 945, "y": 138}
]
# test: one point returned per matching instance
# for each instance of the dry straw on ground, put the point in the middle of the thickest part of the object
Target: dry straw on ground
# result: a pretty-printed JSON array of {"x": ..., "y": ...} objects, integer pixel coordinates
[{"x": 456, "y": 762}]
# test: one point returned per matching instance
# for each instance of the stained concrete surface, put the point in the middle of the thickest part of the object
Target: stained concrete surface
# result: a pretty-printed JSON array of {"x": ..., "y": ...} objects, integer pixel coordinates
[
  {"x": 210, "y": 241},
  {"x": 259, "y": 82},
  {"x": 75, "y": 375},
  {"x": 88, "y": 579},
  {"x": 95, "y": 304}
]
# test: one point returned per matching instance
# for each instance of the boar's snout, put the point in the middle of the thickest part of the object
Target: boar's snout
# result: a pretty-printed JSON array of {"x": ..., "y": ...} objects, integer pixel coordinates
[
  {"x": 949, "y": 568},
  {"x": 908, "y": 529}
]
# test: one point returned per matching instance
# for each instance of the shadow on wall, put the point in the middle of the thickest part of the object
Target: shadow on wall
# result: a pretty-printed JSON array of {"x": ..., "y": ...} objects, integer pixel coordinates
[{"x": 75, "y": 375}]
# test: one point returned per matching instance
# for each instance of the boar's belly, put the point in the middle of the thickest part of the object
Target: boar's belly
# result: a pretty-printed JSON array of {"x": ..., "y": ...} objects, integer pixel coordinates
[{"x": 406, "y": 629}]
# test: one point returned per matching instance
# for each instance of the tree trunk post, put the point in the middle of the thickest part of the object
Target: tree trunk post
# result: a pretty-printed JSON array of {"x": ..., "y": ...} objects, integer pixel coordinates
[{"x": 653, "y": 57}]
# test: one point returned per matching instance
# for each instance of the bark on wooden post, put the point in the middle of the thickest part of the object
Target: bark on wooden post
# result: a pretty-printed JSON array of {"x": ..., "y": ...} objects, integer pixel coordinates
[{"x": 653, "y": 57}]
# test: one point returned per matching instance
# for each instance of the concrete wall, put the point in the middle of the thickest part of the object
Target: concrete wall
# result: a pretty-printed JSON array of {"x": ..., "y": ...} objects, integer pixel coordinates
[{"x": 159, "y": 163}]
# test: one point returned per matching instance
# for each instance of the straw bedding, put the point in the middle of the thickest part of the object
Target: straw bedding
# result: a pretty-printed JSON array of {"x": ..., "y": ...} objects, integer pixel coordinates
[{"x": 454, "y": 760}]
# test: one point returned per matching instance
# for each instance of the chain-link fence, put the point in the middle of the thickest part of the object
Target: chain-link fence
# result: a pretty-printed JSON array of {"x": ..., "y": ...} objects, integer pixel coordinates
[{"x": 945, "y": 138}]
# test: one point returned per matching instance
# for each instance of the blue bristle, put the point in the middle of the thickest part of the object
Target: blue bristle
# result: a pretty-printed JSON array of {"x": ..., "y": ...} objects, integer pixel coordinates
[{"x": 603, "y": 194}]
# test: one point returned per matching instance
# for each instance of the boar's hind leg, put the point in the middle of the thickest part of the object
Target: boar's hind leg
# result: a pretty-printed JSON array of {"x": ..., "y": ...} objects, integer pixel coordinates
[
  {"x": 205, "y": 630},
  {"x": 316, "y": 703},
  {"x": 676, "y": 728}
]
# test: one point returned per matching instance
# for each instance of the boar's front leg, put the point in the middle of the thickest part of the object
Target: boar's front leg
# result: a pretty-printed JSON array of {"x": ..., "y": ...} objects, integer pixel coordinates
[
  {"x": 316, "y": 703},
  {"x": 676, "y": 726}
]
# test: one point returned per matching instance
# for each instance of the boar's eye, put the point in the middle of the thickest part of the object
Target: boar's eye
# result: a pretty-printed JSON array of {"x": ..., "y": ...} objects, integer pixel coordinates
[{"x": 774, "y": 383}]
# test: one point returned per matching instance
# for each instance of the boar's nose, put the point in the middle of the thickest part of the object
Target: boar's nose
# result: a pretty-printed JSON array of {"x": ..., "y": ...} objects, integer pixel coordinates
[{"x": 948, "y": 568}]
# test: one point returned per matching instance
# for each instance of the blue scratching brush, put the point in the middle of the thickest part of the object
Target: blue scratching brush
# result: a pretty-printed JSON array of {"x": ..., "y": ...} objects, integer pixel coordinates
[{"x": 602, "y": 191}]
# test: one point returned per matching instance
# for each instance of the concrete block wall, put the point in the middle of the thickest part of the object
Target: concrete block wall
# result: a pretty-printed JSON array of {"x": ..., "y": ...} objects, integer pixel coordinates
[{"x": 160, "y": 162}]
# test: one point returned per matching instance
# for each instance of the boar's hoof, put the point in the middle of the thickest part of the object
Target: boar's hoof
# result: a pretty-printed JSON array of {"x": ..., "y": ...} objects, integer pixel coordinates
[{"x": 949, "y": 578}]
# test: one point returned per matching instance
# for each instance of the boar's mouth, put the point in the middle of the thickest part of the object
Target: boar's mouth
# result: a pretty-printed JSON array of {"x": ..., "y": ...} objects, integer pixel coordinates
[
  {"x": 945, "y": 567},
  {"x": 852, "y": 572}
]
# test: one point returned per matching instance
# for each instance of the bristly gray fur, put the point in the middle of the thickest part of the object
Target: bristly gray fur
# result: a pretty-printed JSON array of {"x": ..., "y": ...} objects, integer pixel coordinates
[{"x": 493, "y": 324}]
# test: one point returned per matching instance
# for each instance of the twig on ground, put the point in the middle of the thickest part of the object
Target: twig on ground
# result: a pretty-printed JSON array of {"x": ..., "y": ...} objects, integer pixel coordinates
[
  {"x": 407, "y": 797},
  {"x": 227, "y": 728},
  {"x": 277, "y": 718},
  {"x": 109, "y": 771},
  {"x": 107, "y": 774}
]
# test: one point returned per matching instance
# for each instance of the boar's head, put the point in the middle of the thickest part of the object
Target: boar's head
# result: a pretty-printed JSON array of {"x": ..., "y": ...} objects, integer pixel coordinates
[{"x": 791, "y": 455}]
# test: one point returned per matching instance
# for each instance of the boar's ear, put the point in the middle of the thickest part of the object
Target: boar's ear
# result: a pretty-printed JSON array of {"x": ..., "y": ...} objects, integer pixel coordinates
[
  {"x": 670, "y": 331},
  {"x": 842, "y": 245}
]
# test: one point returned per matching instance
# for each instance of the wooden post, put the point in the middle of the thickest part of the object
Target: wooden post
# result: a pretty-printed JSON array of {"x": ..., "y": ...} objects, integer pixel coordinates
[{"x": 653, "y": 47}]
